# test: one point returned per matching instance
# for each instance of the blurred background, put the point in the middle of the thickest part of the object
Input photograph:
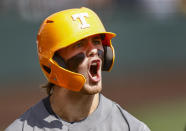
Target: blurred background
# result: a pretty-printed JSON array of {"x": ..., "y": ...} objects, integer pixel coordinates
[{"x": 149, "y": 75}]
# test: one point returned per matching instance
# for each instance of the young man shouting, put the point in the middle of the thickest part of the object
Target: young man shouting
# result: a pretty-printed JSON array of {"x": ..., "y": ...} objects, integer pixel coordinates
[{"x": 74, "y": 48}]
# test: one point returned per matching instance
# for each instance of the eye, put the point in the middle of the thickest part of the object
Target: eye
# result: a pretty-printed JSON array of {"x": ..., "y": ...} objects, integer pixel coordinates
[
  {"x": 78, "y": 44},
  {"x": 97, "y": 42}
]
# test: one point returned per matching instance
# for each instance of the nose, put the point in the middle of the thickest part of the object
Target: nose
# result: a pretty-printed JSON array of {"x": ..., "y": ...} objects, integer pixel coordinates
[{"x": 91, "y": 49}]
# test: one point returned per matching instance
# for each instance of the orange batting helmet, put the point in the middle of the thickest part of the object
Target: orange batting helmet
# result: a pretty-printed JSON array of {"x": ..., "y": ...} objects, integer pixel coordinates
[{"x": 62, "y": 29}]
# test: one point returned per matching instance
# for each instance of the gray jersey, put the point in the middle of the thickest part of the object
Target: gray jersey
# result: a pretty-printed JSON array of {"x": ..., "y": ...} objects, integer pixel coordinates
[{"x": 108, "y": 116}]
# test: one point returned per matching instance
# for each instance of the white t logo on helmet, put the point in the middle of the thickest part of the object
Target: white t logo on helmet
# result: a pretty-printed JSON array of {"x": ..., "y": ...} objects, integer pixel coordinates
[{"x": 81, "y": 17}]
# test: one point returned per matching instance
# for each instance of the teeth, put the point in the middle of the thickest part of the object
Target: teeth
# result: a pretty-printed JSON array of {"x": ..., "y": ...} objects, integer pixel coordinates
[{"x": 94, "y": 64}]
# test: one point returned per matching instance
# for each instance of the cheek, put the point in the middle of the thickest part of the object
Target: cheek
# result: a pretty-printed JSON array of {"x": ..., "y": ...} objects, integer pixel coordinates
[
  {"x": 101, "y": 54},
  {"x": 101, "y": 47},
  {"x": 78, "y": 62},
  {"x": 74, "y": 62},
  {"x": 83, "y": 67}
]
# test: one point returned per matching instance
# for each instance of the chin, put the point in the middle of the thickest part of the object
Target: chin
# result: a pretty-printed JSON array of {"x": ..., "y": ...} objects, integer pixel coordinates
[{"x": 91, "y": 89}]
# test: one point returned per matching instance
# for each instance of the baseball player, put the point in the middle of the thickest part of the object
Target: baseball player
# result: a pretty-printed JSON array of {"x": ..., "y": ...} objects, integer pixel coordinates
[{"x": 73, "y": 49}]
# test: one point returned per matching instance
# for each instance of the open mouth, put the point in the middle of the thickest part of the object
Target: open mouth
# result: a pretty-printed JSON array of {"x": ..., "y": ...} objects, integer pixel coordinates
[{"x": 94, "y": 70}]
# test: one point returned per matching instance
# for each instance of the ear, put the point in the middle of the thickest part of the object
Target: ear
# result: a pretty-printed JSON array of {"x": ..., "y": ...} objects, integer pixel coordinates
[{"x": 108, "y": 58}]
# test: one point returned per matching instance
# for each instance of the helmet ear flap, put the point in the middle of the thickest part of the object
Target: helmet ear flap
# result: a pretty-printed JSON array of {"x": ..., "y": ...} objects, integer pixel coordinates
[{"x": 108, "y": 58}]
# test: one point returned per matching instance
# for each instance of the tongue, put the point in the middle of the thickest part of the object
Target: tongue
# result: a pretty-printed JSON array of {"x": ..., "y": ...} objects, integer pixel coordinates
[
  {"x": 93, "y": 70},
  {"x": 94, "y": 73}
]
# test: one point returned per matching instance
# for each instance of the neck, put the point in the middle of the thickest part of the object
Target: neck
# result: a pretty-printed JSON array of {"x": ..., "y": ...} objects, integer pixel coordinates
[{"x": 73, "y": 106}]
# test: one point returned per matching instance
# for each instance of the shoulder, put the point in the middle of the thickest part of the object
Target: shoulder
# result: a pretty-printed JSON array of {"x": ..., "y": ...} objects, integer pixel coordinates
[
  {"x": 118, "y": 112},
  {"x": 133, "y": 122},
  {"x": 31, "y": 116},
  {"x": 15, "y": 126}
]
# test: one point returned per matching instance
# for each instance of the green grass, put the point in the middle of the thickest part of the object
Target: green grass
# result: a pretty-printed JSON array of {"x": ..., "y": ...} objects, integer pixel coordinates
[{"x": 167, "y": 116}]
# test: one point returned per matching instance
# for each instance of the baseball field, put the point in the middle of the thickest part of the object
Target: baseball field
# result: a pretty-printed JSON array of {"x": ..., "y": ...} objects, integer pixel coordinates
[{"x": 162, "y": 108}]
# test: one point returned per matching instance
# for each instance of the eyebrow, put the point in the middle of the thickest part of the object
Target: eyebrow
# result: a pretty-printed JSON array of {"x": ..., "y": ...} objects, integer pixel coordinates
[
  {"x": 79, "y": 41},
  {"x": 97, "y": 37}
]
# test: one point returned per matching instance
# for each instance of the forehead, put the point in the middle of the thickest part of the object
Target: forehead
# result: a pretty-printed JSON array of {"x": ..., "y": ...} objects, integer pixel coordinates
[
  {"x": 90, "y": 37},
  {"x": 93, "y": 37}
]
